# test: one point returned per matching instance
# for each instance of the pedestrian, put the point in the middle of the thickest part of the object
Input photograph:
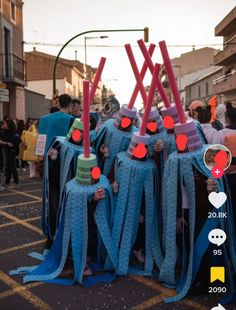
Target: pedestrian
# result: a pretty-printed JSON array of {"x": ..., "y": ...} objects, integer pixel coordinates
[
  {"x": 219, "y": 122},
  {"x": 58, "y": 123},
  {"x": 11, "y": 153},
  {"x": 203, "y": 115},
  {"x": 76, "y": 108}
]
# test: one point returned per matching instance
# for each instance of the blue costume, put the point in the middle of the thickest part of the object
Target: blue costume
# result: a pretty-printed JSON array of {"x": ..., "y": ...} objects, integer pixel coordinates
[
  {"x": 113, "y": 137},
  {"x": 137, "y": 194},
  {"x": 179, "y": 169},
  {"x": 73, "y": 226}
]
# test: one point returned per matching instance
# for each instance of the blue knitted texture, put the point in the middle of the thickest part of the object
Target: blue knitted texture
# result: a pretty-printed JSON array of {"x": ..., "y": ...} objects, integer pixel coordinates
[
  {"x": 180, "y": 167},
  {"x": 116, "y": 140},
  {"x": 73, "y": 226},
  {"x": 69, "y": 153},
  {"x": 135, "y": 178}
]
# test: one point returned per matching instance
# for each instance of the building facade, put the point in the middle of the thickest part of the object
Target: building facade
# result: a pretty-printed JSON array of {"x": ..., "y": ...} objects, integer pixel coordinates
[
  {"x": 226, "y": 83},
  {"x": 12, "y": 64},
  {"x": 69, "y": 75},
  {"x": 188, "y": 68},
  {"x": 202, "y": 88}
]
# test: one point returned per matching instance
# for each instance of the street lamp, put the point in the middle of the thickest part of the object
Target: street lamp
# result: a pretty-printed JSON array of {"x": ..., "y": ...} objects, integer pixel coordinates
[
  {"x": 85, "y": 45},
  {"x": 146, "y": 38}
]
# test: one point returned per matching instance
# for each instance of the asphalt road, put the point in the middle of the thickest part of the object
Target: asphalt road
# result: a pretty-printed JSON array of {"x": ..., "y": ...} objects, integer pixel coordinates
[{"x": 20, "y": 234}]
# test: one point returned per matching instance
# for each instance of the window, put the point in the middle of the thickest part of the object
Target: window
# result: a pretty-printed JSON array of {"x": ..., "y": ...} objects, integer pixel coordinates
[
  {"x": 199, "y": 91},
  {"x": 207, "y": 89},
  {"x": 13, "y": 10},
  {"x": 7, "y": 52}
]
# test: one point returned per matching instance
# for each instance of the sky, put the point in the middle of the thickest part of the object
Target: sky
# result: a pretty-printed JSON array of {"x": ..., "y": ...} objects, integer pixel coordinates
[{"x": 179, "y": 23}]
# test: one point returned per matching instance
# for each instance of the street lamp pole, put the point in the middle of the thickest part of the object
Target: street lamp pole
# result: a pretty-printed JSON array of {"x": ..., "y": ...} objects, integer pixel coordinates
[
  {"x": 85, "y": 45},
  {"x": 145, "y": 31}
]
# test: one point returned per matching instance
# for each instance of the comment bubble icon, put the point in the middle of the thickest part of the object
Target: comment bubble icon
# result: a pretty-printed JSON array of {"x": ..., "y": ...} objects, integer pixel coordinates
[{"x": 217, "y": 236}]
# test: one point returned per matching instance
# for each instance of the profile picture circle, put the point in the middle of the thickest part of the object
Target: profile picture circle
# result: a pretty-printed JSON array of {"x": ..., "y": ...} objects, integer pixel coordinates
[{"x": 217, "y": 155}]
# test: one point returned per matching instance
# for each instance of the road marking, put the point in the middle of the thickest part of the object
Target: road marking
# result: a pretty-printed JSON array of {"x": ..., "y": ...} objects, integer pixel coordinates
[
  {"x": 33, "y": 299},
  {"x": 24, "y": 194},
  {"x": 21, "y": 222},
  {"x": 19, "y": 204},
  {"x": 10, "y": 194},
  {"x": 14, "y": 223},
  {"x": 23, "y": 246},
  {"x": 148, "y": 303},
  {"x": 16, "y": 290},
  {"x": 166, "y": 292}
]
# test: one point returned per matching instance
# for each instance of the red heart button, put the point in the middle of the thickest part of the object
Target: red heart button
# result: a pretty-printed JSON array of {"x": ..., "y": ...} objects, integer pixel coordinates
[
  {"x": 125, "y": 122},
  {"x": 76, "y": 135},
  {"x": 152, "y": 126},
  {"x": 181, "y": 142},
  {"x": 140, "y": 151},
  {"x": 221, "y": 159}
]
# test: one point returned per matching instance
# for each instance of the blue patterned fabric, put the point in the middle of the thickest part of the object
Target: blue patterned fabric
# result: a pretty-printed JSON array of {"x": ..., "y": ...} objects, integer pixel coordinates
[
  {"x": 116, "y": 140},
  {"x": 134, "y": 179},
  {"x": 73, "y": 229},
  {"x": 180, "y": 167},
  {"x": 68, "y": 153}
]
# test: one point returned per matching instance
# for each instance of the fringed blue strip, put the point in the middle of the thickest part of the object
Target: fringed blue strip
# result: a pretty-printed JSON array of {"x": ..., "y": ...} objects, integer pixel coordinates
[
  {"x": 134, "y": 179},
  {"x": 74, "y": 226}
]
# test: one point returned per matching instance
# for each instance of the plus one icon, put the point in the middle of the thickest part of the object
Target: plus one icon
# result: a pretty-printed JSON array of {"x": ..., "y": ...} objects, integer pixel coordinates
[{"x": 217, "y": 172}]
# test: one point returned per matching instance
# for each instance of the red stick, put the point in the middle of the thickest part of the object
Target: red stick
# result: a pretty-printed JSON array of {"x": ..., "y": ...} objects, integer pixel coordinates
[
  {"x": 97, "y": 78},
  {"x": 136, "y": 72},
  {"x": 149, "y": 99},
  {"x": 142, "y": 74},
  {"x": 96, "y": 81},
  {"x": 149, "y": 62},
  {"x": 173, "y": 85},
  {"x": 86, "y": 137}
]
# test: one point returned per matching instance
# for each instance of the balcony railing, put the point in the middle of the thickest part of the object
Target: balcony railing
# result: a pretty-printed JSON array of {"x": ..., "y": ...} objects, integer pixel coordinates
[
  {"x": 13, "y": 69},
  {"x": 228, "y": 54},
  {"x": 225, "y": 83}
]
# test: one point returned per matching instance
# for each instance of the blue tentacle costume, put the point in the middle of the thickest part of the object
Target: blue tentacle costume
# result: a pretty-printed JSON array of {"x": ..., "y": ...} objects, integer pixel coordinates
[
  {"x": 136, "y": 178},
  {"x": 68, "y": 154},
  {"x": 73, "y": 231},
  {"x": 180, "y": 167}
]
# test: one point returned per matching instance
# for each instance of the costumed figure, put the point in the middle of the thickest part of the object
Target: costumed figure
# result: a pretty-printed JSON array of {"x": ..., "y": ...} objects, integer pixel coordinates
[
  {"x": 60, "y": 167},
  {"x": 76, "y": 231},
  {"x": 184, "y": 183},
  {"x": 115, "y": 135},
  {"x": 108, "y": 110},
  {"x": 135, "y": 216}
]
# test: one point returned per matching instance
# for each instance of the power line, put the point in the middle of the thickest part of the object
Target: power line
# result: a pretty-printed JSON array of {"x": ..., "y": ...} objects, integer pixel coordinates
[{"x": 119, "y": 46}]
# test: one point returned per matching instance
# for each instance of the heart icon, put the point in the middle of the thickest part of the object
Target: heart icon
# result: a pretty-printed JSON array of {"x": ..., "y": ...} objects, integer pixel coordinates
[
  {"x": 217, "y": 199},
  {"x": 168, "y": 122},
  {"x": 125, "y": 122},
  {"x": 181, "y": 142},
  {"x": 152, "y": 126},
  {"x": 221, "y": 159},
  {"x": 140, "y": 151}
]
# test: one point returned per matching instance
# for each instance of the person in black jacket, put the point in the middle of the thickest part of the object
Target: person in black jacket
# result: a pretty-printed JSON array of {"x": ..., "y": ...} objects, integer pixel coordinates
[{"x": 11, "y": 152}]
